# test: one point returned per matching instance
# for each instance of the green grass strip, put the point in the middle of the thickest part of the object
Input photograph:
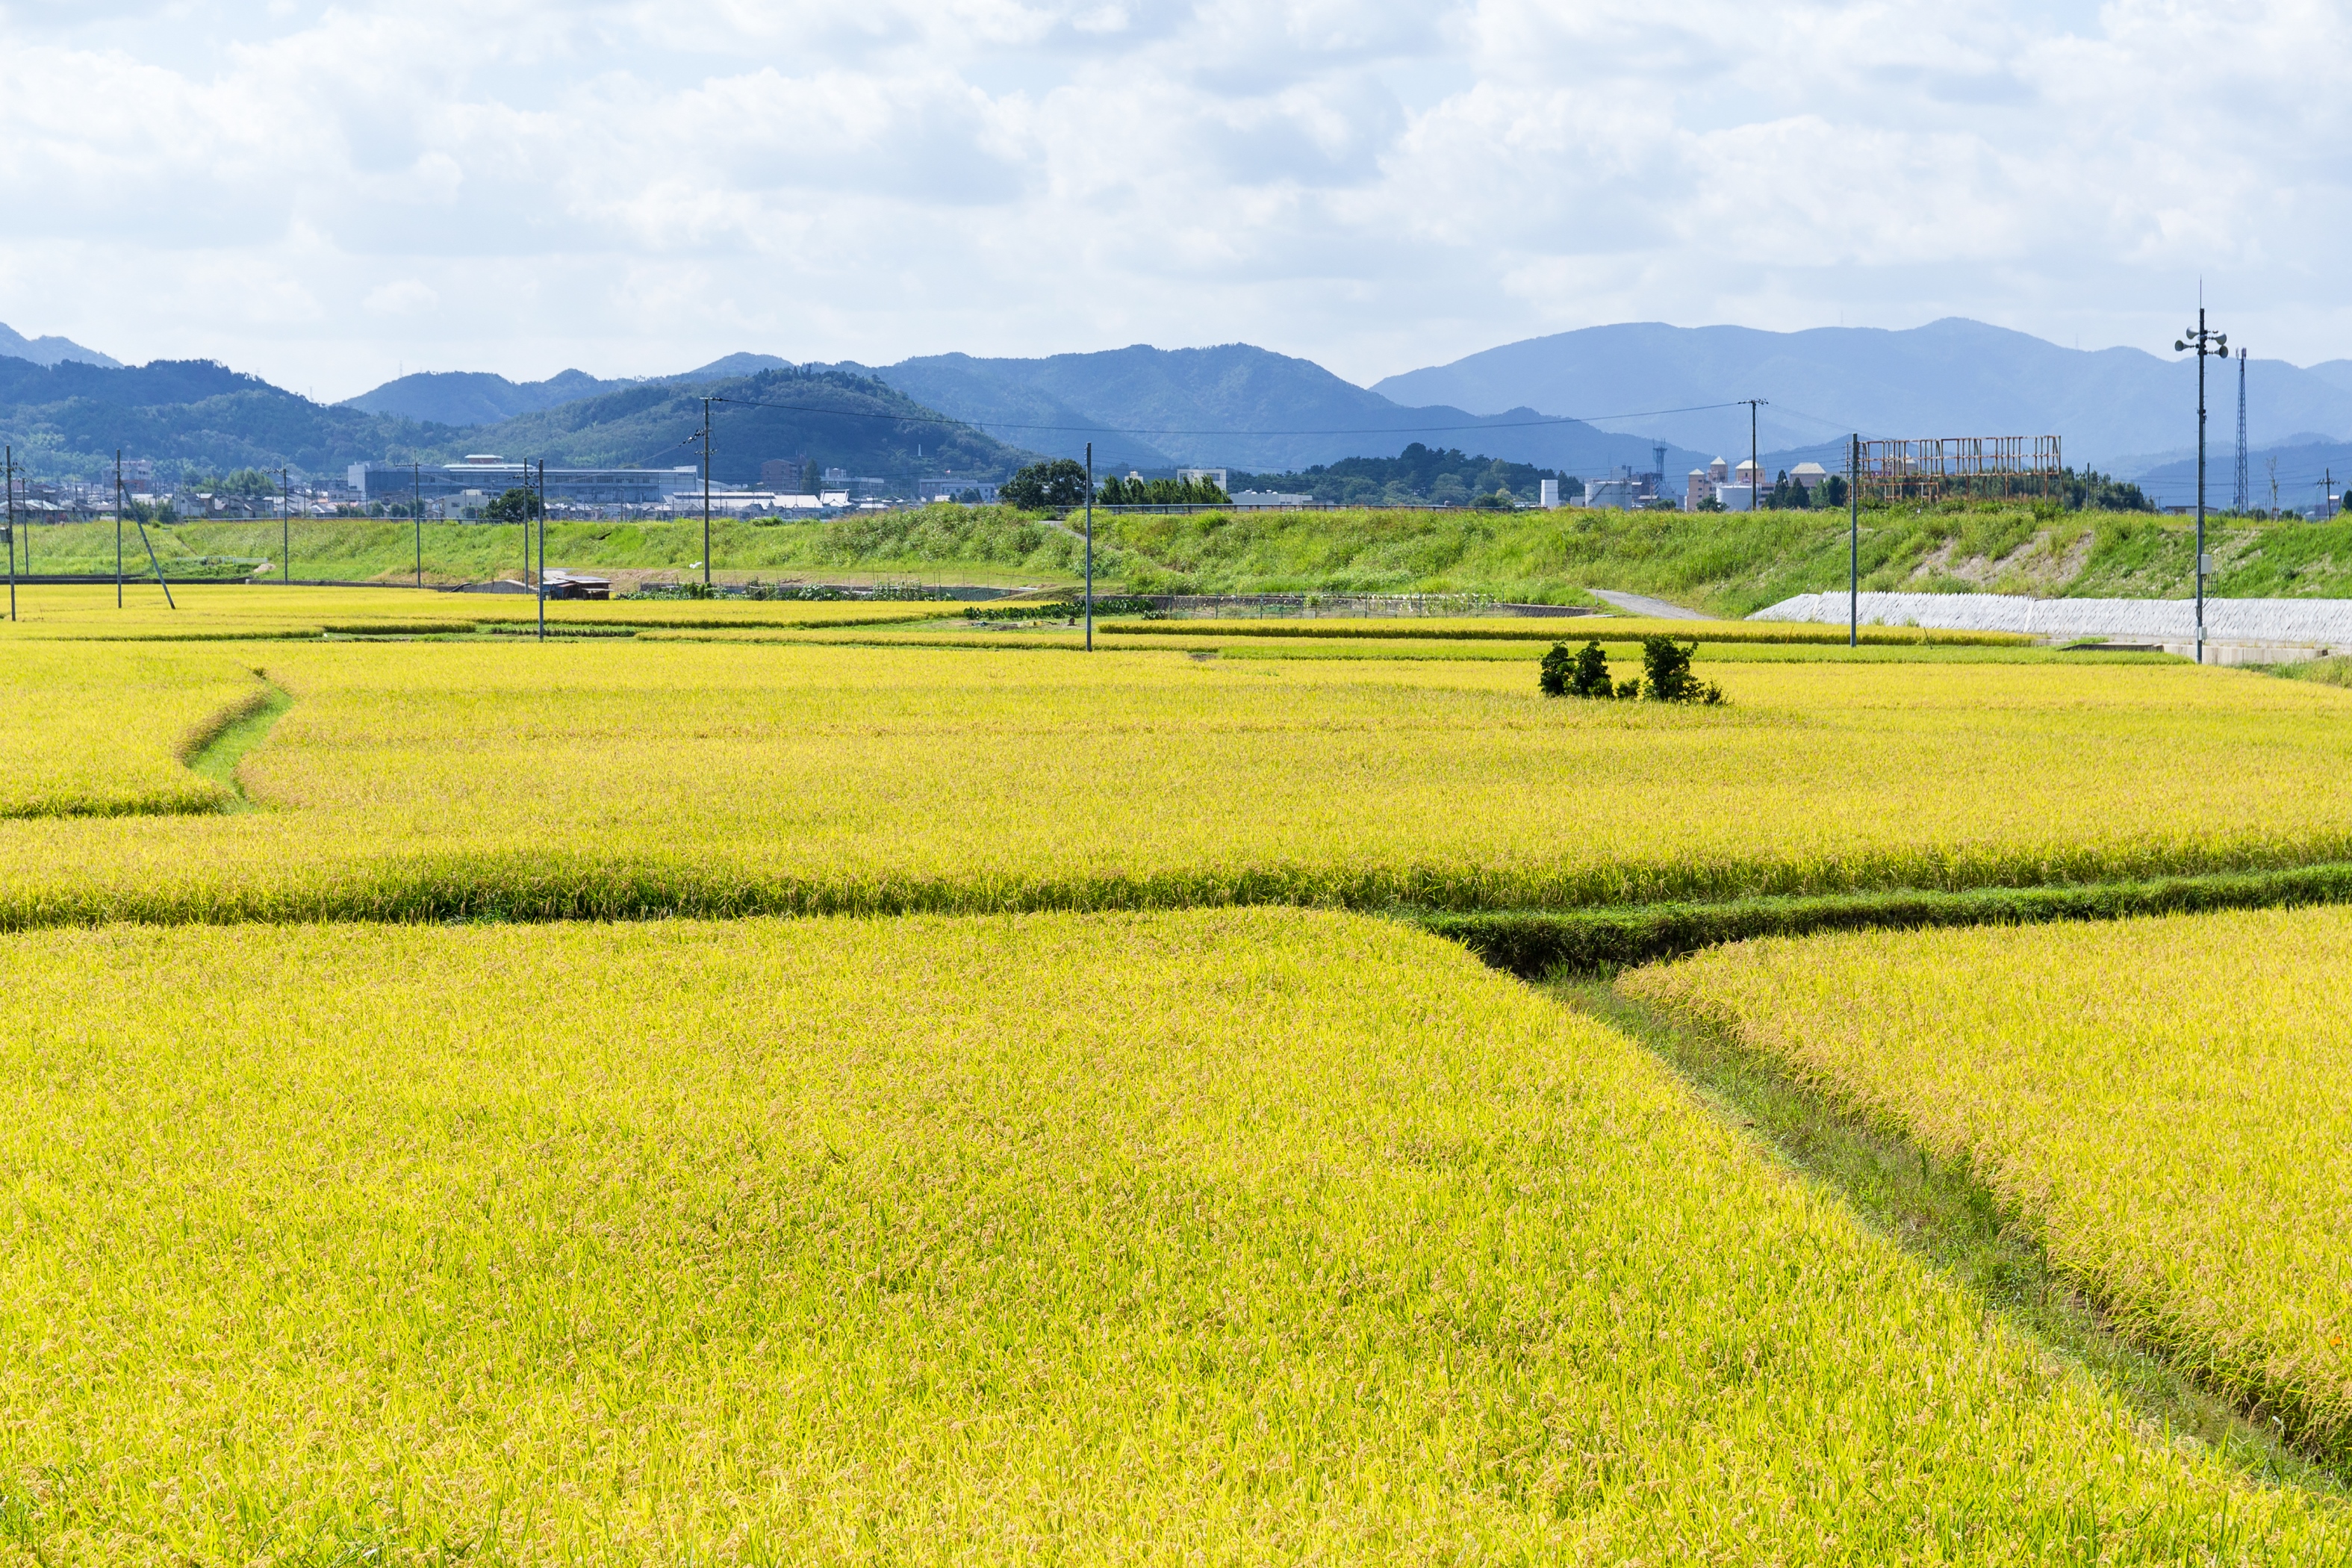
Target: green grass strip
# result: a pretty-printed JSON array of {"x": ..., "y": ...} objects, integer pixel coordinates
[
  {"x": 215, "y": 755},
  {"x": 1937, "y": 1209},
  {"x": 1536, "y": 943},
  {"x": 1570, "y": 629}
]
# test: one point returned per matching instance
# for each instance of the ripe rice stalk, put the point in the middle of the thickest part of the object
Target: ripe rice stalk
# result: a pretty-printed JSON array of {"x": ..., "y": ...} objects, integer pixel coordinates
[
  {"x": 2163, "y": 1101},
  {"x": 427, "y": 780},
  {"x": 1221, "y": 1235}
]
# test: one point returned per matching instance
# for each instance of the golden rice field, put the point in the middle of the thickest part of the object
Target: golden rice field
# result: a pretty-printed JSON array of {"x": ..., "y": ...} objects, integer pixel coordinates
[
  {"x": 241, "y": 610},
  {"x": 1025, "y": 1209},
  {"x": 105, "y": 729},
  {"x": 592, "y": 778},
  {"x": 2167, "y": 1103},
  {"x": 1198, "y": 1237}
]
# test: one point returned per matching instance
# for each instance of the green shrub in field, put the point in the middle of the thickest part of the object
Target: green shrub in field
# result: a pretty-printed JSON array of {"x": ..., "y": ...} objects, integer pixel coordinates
[
  {"x": 1667, "y": 673},
  {"x": 1551, "y": 674},
  {"x": 1591, "y": 677},
  {"x": 1583, "y": 674}
]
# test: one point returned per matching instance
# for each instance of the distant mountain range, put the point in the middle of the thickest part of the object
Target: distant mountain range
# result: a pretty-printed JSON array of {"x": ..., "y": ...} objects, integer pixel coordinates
[
  {"x": 1141, "y": 407},
  {"x": 478, "y": 398},
  {"x": 2305, "y": 472},
  {"x": 834, "y": 418},
  {"x": 190, "y": 418},
  {"x": 1235, "y": 406},
  {"x": 1951, "y": 377},
  {"x": 475, "y": 397},
  {"x": 49, "y": 351},
  {"x": 1582, "y": 402}
]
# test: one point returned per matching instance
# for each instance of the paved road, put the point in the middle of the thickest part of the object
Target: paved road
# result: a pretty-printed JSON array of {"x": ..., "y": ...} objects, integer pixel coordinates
[{"x": 1641, "y": 604}]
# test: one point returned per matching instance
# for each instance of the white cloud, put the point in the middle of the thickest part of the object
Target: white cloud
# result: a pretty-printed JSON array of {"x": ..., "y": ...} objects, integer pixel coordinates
[
  {"x": 321, "y": 193},
  {"x": 407, "y": 297}
]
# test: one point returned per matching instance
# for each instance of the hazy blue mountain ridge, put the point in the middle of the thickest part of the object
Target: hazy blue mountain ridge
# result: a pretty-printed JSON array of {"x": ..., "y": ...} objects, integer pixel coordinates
[
  {"x": 2301, "y": 468},
  {"x": 1238, "y": 406},
  {"x": 48, "y": 350},
  {"x": 1008, "y": 407},
  {"x": 475, "y": 397},
  {"x": 1951, "y": 377}
]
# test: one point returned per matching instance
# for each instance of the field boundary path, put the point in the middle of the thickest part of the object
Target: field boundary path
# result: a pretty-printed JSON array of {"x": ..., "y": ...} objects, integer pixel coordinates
[
  {"x": 1643, "y": 604},
  {"x": 242, "y": 727},
  {"x": 1939, "y": 1210}
]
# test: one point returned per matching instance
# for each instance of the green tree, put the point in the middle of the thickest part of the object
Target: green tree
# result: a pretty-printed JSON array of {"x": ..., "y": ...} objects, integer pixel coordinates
[
  {"x": 1551, "y": 675},
  {"x": 516, "y": 505},
  {"x": 1042, "y": 487},
  {"x": 1591, "y": 676},
  {"x": 1667, "y": 673}
]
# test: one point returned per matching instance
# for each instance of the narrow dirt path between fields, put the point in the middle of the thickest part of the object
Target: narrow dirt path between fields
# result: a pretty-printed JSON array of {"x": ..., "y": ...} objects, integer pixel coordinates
[
  {"x": 1643, "y": 604},
  {"x": 1937, "y": 1210}
]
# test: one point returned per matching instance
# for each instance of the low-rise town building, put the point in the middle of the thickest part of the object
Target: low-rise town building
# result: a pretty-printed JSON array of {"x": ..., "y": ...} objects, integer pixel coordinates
[{"x": 490, "y": 474}]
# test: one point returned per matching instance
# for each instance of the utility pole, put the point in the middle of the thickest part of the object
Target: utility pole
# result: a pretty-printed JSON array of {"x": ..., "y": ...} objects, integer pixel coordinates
[
  {"x": 706, "y": 492},
  {"x": 286, "y": 528},
  {"x": 1755, "y": 468},
  {"x": 10, "y": 462},
  {"x": 117, "y": 528},
  {"x": 542, "y": 550},
  {"x": 1091, "y": 547},
  {"x": 1854, "y": 542},
  {"x": 416, "y": 514},
  {"x": 2208, "y": 344}
]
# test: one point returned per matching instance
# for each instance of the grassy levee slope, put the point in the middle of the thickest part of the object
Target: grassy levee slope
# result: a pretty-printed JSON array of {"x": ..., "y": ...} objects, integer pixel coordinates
[
  {"x": 979, "y": 543},
  {"x": 422, "y": 780},
  {"x": 1731, "y": 563},
  {"x": 106, "y": 731},
  {"x": 1217, "y": 1236},
  {"x": 2164, "y": 1102}
]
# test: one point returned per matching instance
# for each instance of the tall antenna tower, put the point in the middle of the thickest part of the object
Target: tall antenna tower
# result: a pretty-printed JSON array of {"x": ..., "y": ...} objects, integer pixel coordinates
[{"x": 2242, "y": 498}]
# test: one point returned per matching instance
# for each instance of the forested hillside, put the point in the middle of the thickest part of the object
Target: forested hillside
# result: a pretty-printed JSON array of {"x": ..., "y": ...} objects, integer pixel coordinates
[
  {"x": 832, "y": 418},
  {"x": 191, "y": 417}
]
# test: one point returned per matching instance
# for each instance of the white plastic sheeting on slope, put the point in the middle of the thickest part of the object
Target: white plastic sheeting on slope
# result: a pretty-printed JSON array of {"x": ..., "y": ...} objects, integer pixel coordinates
[{"x": 2326, "y": 622}]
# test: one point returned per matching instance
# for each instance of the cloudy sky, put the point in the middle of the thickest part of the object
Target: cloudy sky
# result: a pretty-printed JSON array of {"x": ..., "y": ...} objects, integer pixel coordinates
[{"x": 328, "y": 194}]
